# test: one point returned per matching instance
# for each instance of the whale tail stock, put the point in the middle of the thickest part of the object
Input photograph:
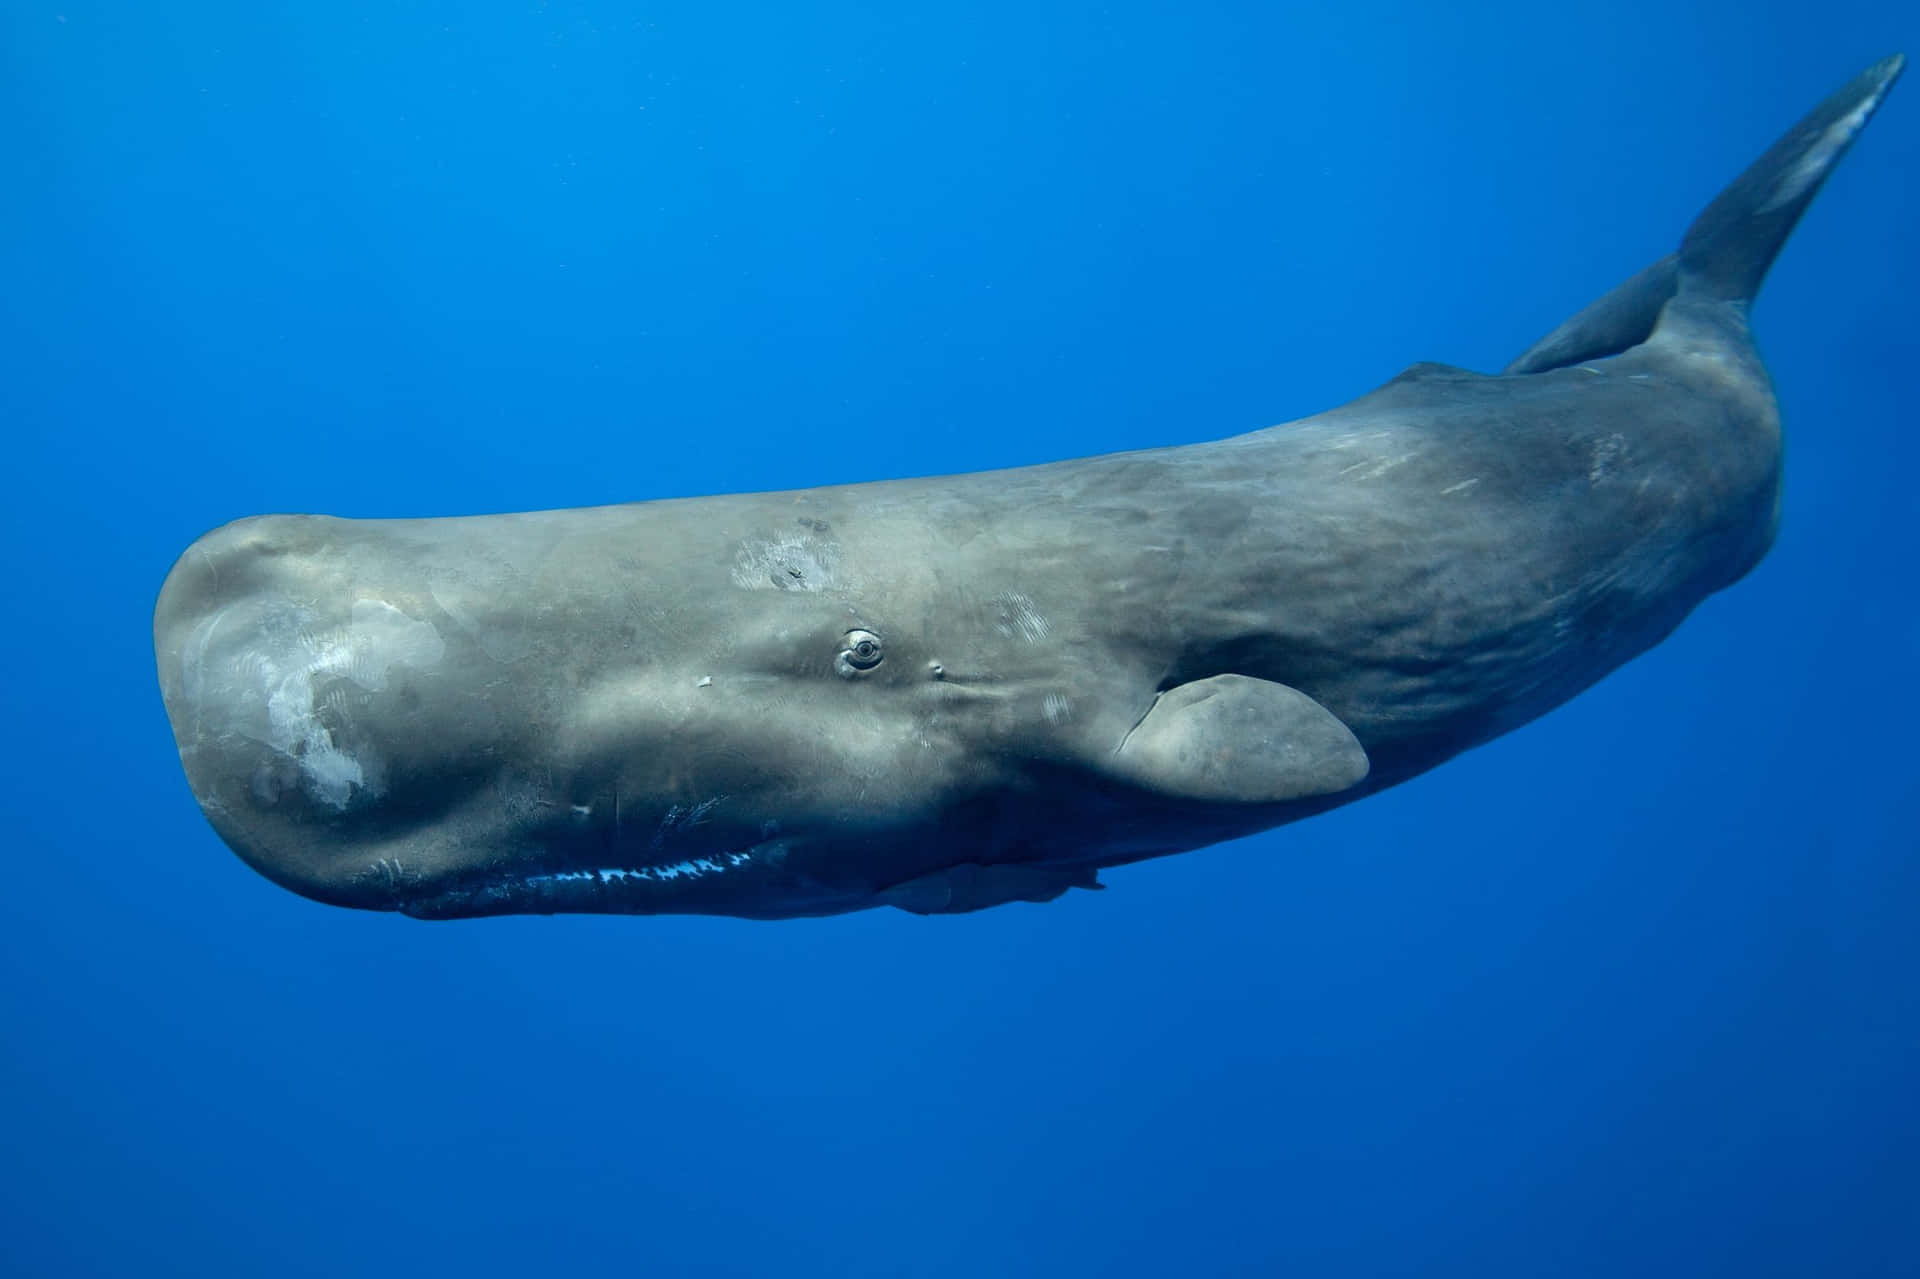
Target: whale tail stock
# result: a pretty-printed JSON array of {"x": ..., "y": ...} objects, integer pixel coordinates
[{"x": 1728, "y": 249}]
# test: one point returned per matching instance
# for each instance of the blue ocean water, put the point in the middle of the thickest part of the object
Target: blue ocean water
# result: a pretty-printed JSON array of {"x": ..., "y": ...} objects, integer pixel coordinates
[{"x": 1632, "y": 991}]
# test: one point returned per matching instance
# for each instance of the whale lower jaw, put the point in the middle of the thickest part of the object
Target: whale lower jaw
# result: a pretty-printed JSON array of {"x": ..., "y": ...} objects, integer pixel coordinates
[
  {"x": 608, "y": 890},
  {"x": 672, "y": 886}
]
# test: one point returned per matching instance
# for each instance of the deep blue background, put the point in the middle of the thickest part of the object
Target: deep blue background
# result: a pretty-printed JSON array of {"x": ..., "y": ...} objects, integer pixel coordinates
[{"x": 1632, "y": 991}]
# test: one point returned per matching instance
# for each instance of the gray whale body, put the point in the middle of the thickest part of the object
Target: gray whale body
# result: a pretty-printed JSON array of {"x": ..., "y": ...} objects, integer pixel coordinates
[{"x": 945, "y": 694}]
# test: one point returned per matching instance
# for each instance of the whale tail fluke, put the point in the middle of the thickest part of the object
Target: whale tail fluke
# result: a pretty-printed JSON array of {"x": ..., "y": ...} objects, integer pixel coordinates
[
  {"x": 1728, "y": 249},
  {"x": 1731, "y": 244}
]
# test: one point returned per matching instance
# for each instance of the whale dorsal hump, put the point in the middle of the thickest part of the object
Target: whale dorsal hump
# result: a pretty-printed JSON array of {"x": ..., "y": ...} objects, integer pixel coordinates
[
  {"x": 1620, "y": 320},
  {"x": 1431, "y": 371},
  {"x": 1238, "y": 740}
]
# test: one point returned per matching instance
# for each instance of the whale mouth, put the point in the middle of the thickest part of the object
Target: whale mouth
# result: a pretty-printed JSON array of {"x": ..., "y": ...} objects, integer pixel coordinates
[{"x": 609, "y": 890}]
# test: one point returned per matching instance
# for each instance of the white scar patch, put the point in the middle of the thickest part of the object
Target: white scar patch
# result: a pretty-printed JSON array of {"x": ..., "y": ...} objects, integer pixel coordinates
[
  {"x": 788, "y": 563},
  {"x": 1019, "y": 619},
  {"x": 273, "y": 690},
  {"x": 681, "y": 818},
  {"x": 1608, "y": 452},
  {"x": 475, "y": 597}
]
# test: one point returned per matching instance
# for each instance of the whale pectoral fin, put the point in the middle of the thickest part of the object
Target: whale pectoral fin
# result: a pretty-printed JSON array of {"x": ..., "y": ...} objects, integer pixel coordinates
[
  {"x": 1238, "y": 740},
  {"x": 966, "y": 887}
]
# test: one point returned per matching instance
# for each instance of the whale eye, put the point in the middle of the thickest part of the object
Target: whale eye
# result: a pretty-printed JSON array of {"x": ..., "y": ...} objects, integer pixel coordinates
[{"x": 859, "y": 651}]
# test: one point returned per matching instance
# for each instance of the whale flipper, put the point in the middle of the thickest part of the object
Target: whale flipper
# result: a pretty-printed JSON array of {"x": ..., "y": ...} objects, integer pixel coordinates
[
  {"x": 1239, "y": 740},
  {"x": 970, "y": 887}
]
